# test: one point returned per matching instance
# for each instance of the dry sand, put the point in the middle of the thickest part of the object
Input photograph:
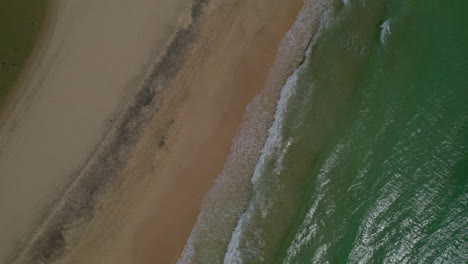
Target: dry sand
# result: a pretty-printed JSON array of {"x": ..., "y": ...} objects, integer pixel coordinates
[{"x": 140, "y": 143}]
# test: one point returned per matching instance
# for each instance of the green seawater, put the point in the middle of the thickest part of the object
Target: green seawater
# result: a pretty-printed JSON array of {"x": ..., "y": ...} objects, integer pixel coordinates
[
  {"x": 20, "y": 24},
  {"x": 372, "y": 165}
]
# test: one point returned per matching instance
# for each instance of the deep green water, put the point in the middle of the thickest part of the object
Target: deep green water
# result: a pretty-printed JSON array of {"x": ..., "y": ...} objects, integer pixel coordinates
[
  {"x": 20, "y": 23},
  {"x": 367, "y": 158},
  {"x": 373, "y": 160}
]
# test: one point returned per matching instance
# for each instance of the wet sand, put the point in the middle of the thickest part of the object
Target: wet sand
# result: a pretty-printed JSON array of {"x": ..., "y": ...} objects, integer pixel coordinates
[{"x": 125, "y": 123}]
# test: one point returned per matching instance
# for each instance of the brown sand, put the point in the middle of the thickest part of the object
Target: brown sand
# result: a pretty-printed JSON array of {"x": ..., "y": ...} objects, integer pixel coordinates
[{"x": 148, "y": 213}]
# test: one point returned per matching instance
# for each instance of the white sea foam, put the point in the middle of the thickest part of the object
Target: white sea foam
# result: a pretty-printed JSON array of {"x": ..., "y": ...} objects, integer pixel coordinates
[
  {"x": 274, "y": 148},
  {"x": 274, "y": 142},
  {"x": 271, "y": 150},
  {"x": 385, "y": 31},
  {"x": 233, "y": 254},
  {"x": 230, "y": 195}
]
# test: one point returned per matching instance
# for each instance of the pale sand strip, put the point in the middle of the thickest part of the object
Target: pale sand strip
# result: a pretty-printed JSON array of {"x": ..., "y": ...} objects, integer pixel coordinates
[
  {"x": 90, "y": 60},
  {"x": 184, "y": 136}
]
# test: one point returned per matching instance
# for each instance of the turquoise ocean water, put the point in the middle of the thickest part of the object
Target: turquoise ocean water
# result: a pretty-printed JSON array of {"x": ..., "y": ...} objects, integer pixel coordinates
[{"x": 366, "y": 159}]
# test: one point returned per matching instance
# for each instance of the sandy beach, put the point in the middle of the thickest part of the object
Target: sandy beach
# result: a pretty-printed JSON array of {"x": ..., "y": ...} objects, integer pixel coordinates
[{"x": 122, "y": 121}]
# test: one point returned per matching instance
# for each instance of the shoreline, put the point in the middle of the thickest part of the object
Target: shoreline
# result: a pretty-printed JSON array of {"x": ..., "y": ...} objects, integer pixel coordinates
[
  {"x": 226, "y": 200},
  {"x": 181, "y": 171},
  {"x": 170, "y": 143}
]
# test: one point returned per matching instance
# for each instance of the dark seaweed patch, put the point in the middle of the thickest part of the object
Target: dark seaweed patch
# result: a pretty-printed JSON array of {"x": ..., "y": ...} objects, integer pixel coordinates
[
  {"x": 55, "y": 242},
  {"x": 197, "y": 9}
]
